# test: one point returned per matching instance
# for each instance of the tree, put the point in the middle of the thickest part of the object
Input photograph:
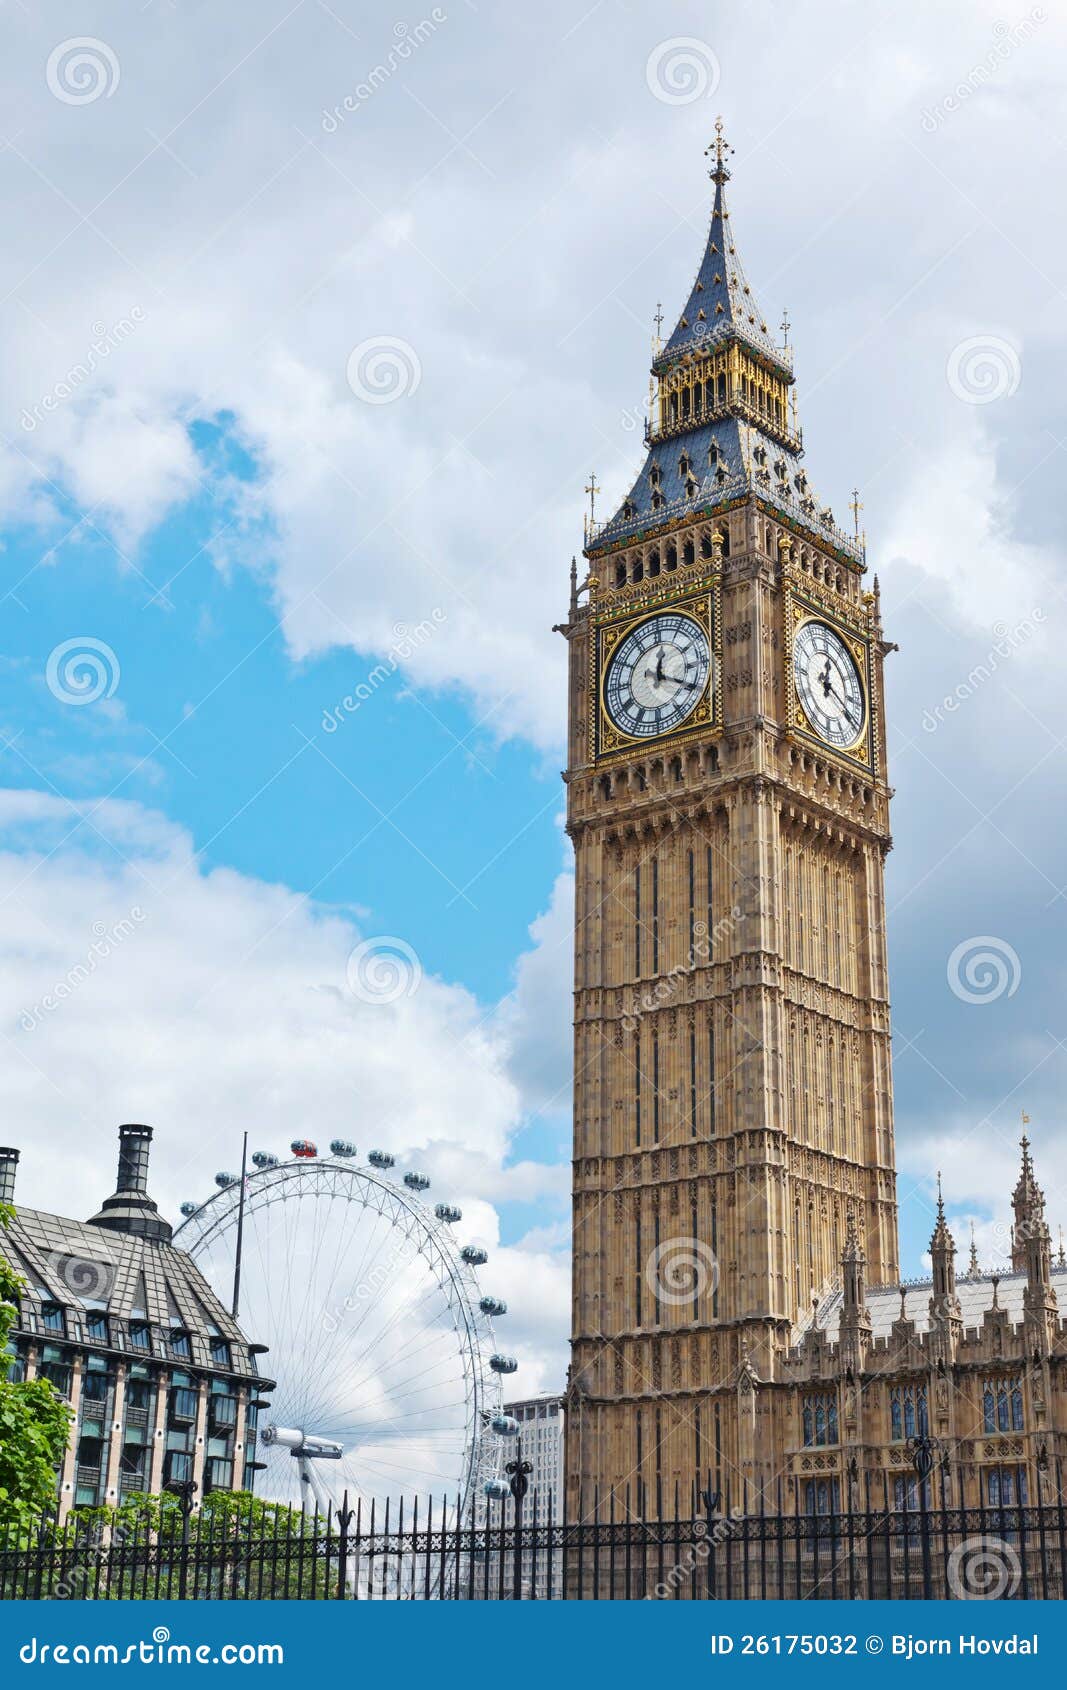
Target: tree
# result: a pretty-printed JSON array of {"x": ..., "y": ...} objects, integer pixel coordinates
[{"x": 35, "y": 1423}]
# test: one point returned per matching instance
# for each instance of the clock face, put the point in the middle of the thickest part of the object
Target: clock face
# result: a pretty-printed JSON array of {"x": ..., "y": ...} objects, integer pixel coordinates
[
  {"x": 828, "y": 684},
  {"x": 657, "y": 676}
]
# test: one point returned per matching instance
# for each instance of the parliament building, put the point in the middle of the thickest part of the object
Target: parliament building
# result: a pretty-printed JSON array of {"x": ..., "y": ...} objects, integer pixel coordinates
[{"x": 739, "y": 1317}]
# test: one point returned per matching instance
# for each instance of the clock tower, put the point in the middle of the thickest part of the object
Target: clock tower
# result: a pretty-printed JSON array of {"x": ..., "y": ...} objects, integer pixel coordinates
[{"x": 729, "y": 810}]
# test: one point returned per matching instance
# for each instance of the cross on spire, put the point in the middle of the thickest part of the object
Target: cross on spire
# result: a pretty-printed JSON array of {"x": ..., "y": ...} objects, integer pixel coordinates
[
  {"x": 658, "y": 319},
  {"x": 855, "y": 506},
  {"x": 722, "y": 149},
  {"x": 785, "y": 325},
  {"x": 592, "y": 488}
]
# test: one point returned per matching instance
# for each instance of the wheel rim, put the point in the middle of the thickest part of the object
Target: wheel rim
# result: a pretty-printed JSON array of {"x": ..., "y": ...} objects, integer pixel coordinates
[{"x": 374, "y": 1332}]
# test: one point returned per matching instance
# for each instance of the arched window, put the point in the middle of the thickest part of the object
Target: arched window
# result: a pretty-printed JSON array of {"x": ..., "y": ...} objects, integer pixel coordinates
[
  {"x": 688, "y": 552},
  {"x": 722, "y": 389}
]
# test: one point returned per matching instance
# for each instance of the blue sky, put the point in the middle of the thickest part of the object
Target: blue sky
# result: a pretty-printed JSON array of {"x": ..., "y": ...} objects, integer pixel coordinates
[{"x": 226, "y": 504}]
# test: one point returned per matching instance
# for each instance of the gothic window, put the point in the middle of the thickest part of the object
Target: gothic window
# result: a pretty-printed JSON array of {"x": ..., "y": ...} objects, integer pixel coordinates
[
  {"x": 906, "y": 1497},
  {"x": 908, "y": 1412},
  {"x": 705, "y": 544},
  {"x": 1002, "y": 1405},
  {"x": 653, "y": 563},
  {"x": 629, "y": 508},
  {"x": 820, "y": 1418},
  {"x": 655, "y": 1089},
  {"x": 1006, "y": 1487},
  {"x": 620, "y": 575},
  {"x": 654, "y": 476},
  {"x": 822, "y": 1496},
  {"x": 690, "y": 488},
  {"x": 672, "y": 557},
  {"x": 657, "y": 500},
  {"x": 688, "y": 552},
  {"x": 722, "y": 390},
  {"x": 683, "y": 465},
  {"x": 685, "y": 401},
  {"x": 639, "y": 568}
]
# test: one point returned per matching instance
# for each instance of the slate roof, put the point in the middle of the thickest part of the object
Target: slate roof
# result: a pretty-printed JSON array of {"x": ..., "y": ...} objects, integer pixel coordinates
[
  {"x": 721, "y": 305},
  {"x": 89, "y": 1268},
  {"x": 975, "y": 1297},
  {"x": 738, "y": 446}
]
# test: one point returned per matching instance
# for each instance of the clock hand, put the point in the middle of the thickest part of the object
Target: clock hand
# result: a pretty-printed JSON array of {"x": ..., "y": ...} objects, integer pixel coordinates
[{"x": 833, "y": 693}]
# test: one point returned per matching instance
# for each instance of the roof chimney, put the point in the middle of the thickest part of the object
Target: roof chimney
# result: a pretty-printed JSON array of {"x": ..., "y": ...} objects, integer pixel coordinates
[
  {"x": 131, "y": 1209},
  {"x": 9, "y": 1161}
]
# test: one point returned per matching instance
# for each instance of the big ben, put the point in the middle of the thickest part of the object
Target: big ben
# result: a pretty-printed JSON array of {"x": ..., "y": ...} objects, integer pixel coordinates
[{"x": 728, "y": 806}]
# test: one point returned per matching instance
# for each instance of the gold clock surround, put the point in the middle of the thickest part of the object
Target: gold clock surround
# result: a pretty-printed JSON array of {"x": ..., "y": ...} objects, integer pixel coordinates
[
  {"x": 702, "y": 605},
  {"x": 799, "y": 612}
]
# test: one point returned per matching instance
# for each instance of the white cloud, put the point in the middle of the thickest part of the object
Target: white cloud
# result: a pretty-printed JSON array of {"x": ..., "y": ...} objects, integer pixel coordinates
[
  {"x": 136, "y": 986},
  {"x": 520, "y": 256}
]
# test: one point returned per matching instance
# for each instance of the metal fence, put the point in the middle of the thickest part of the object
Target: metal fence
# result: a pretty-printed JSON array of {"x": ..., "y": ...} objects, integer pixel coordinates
[{"x": 716, "y": 1548}]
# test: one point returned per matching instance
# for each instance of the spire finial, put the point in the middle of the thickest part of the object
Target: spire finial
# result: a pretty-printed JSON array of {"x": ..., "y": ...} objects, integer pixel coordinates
[
  {"x": 593, "y": 488},
  {"x": 972, "y": 1268},
  {"x": 722, "y": 149},
  {"x": 785, "y": 325},
  {"x": 1062, "y": 1262},
  {"x": 658, "y": 320},
  {"x": 940, "y": 1199}
]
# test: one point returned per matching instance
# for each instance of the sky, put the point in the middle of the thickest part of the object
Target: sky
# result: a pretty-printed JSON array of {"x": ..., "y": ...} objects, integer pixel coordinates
[{"x": 315, "y": 321}]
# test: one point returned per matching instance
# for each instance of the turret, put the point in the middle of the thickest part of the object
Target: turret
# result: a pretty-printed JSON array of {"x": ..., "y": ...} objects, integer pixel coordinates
[
  {"x": 946, "y": 1319},
  {"x": 854, "y": 1323},
  {"x": 1028, "y": 1203}
]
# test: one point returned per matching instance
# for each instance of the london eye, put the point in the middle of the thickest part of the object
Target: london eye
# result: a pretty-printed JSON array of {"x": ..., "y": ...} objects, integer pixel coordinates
[{"x": 378, "y": 1333}]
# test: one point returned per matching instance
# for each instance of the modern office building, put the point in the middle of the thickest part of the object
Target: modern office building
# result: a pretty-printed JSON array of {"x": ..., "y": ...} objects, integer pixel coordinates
[{"x": 162, "y": 1382}]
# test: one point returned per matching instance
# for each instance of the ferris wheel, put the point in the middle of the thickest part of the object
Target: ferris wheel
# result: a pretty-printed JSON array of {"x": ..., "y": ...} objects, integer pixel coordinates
[{"x": 378, "y": 1335}]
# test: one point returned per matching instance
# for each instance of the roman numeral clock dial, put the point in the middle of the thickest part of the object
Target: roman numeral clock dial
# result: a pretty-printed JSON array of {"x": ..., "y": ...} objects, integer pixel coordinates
[
  {"x": 657, "y": 676},
  {"x": 829, "y": 685}
]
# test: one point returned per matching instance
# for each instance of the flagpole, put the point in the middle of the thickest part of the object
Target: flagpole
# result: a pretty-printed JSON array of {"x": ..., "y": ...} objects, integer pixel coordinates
[{"x": 240, "y": 1230}]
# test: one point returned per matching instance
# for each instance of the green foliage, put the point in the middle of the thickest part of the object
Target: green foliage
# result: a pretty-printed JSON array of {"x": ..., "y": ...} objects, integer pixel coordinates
[{"x": 34, "y": 1424}]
